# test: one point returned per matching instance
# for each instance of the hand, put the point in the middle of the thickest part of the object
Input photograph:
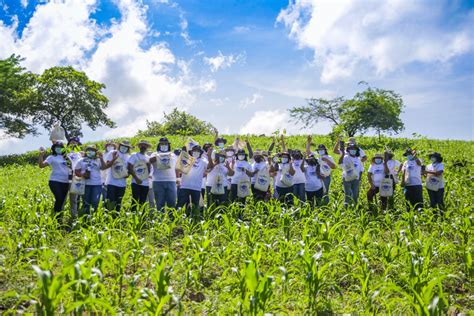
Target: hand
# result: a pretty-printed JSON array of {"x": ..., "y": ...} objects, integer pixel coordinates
[
  {"x": 42, "y": 150},
  {"x": 99, "y": 154},
  {"x": 114, "y": 155}
]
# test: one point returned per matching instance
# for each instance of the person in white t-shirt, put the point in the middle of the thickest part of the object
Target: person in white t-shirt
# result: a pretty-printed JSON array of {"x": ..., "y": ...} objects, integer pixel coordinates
[
  {"x": 352, "y": 169},
  {"x": 60, "y": 174},
  {"x": 191, "y": 183},
  {"x": 378, "y": 170},
  {"x": 109, "y": 146},
  {"x": 74, "y": 155},
  {"x": 89, "y": 168},
  {"x": 283, "y": 171},
  {"x": 314, "y": 180},
  {"x": 219, "y": 171},
  {"x": 205, "y": 196},
  {"x": 139, "y": 169},
  {"x": 411, "y": 180},
  {"x": 299, "y": 178},
  {"x": 164, "y": 175},
  {"x": 259, "y": 165},
  {"x": 117, "y": 174},
  {"x": 434, "y": 173},
  {"x": 242, "y": 171}
]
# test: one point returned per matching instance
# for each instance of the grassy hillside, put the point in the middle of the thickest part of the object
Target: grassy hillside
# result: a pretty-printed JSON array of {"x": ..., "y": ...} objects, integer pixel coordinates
[{"x": 254, "y": 259}]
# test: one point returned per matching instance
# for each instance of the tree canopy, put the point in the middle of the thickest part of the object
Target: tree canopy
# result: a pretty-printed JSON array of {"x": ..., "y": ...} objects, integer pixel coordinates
[
  {"x": 178, "y": 123},
  {"x": 372, "y": 109}
]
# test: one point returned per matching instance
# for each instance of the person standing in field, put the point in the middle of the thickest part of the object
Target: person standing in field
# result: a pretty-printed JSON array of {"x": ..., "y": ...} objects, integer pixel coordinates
[
  {"x": 165, "y": 175},
  {"x": 60, "y": 174},
  {"x": 89, "y": 168},
  {"x": 378, "y": 170},
  {"x": 352, "y": 169},
  {"x": 393, "y": 167},
  {"x": 242, "y": 173},
  {"x": 74, "y": 156},
  {"x": 314, "y": 180},
  {"x": 283, "y": 172},
  {"x": 326, "y": 164},
  {"x": 219, "y": 171},
  {"x": 139, "y": 169},
  {"x": 299, "y": 178},
  {"x": 339, "y": 148},
  {"x": 260, "y": 173},
  {"x": 434, "y": 181},
  {"x": 411, "y": 180},
  {"x": 108, "y": 147},
  {"x": 116, "y": 163}
]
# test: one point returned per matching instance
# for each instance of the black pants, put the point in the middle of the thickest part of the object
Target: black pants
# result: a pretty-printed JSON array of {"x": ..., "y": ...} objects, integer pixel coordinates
[
  {"x": 184, "y": 195},
  {"x": 139, "y": 195},
  {"x": 315, "y": 198},
  {"x": 60, "y": 191},
  {"x": 233, "y": 194},
  {"x": 114, "y": 197},
  {"x": 437, "y": 198},
  {"x": 285, "y": 195},
  {"x": 216, "y": 199},
  {"x": 386, "y": 201},
  {"x": 257, "y": 194},
  {"x": 414, "y": 196}
]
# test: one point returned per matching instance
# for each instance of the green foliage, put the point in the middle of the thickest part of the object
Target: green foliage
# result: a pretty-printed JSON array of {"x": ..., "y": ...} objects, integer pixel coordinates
[
  {"x": 178, "y": 123},
  {"x": 255, "y": 259},
  {"x": 372, "y": 109}
]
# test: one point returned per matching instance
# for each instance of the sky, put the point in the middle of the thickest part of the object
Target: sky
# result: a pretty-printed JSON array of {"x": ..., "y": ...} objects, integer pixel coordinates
[{"x": 241, "y": 64}]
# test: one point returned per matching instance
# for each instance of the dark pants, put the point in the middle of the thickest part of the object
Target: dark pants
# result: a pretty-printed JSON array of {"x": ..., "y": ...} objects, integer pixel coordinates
[
  {"x": 60, "y": 191},
  {"x": 414, "y": 196},
  {"x": 233, "y": 194},
  {"x": 436, "y": 198},
  {"x": 257, "y": 194},
  {"x": 315, "y": 198},
  {"x": 184, "y": 195},
  {"x": 217, "y": 199},
  {"x": 139, "y": 195},
  {"x": 114, "y": 197},
  {"x": 384, "y": 200},
  {"x": 285, "y": 195},
  {"x": 91, "y": 197},
  {"x": 299, "y": 192}
]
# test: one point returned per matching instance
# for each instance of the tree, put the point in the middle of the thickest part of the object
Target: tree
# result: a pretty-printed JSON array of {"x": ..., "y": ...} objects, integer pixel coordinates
[
  {"x": 178, "y": 123},
  {"x": 371, "y": 109},
  {"x": 69, "y": 97},
  {"x": 16, "y": 87}
]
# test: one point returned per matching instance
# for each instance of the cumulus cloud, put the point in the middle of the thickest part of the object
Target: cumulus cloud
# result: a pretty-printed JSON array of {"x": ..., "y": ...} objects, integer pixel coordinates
[
  {"x": 250, "y": 100},
  {"x": 222, "y": 61},
  {"x": 385, "y": 35}
]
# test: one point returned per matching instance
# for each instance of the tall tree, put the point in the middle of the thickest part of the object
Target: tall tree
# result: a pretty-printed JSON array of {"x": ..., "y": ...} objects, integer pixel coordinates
[
  {"x": 16, "y": 87},
  {"x": 69, "y": 97},
  {"x": 371, "y": 109}
]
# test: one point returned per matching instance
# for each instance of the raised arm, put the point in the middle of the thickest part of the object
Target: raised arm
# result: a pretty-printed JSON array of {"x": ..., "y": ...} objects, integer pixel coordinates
[
  {"x": 283, "y": 145},
  {"x": 308, "y": 144},
  {"x": 249, "y": 148},
  {"x": 272, "y": 145},
  {"x": 41, "y": 162}
]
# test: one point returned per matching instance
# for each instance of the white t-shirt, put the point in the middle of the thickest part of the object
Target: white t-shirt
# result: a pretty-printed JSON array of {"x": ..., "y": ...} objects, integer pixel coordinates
[
  {"x": 258, "y": 166},
  {"x": 414, "y": 172},
  {"x": 437, "y": 166},
  {"x": 324, "y": 165},
  {"x": 346, "y": 162},
  {"x": 378, "y": 173},
  {"x": 278, "y": 182},
  {"x": 134, "y": 158},
  {"x": 239, "y": 170},
  {"x": 110, "y": 180},
  {"x": 313, "y": 182},
  {"x": 211, "y": 176},
  {"x": 299, "y": 176},
  {"x": 74, "y": 158},
  {"x": 193, "y": 180},
  {"x": 93, "y": 165},
  {"x": 165, "y": 175},
  {"x": 59, "y": 168}
]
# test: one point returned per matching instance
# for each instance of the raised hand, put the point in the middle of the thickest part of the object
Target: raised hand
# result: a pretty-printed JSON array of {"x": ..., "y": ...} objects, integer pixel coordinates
[{"x": 42, "y": 150}]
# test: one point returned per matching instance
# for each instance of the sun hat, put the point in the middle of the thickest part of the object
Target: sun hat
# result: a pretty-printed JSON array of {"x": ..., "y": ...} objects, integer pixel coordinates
[
  {"x": 144, "y": 142},
  {"x": 377, "y": 156},
  {"x": 436, "y": 155},
  {"x": 126, "y": 143}
]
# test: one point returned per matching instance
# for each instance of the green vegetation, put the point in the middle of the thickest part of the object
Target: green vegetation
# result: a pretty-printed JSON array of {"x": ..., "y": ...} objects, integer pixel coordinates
[{"x": 261, "y": 258}]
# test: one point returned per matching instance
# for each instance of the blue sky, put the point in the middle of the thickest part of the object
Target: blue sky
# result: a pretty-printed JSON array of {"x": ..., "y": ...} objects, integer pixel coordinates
[{"x": 242, "y": 64}]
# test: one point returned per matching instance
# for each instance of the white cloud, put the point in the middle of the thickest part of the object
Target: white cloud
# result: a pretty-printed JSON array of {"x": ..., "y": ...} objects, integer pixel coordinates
[
  {"x": 241, "y": 29},
  {"x": 250, "y": 100},
  {"x": 385, "y": 35},
  {"x": 24, "y": 3},
  {"x": 222, "y": 61}
]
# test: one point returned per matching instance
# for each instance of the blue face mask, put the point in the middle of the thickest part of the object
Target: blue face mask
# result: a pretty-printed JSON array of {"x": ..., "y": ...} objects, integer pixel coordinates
[
  {"x": 352, "y": 152},
  {"x": 410, "y": 157},
  {"x": 58, "y": 150},
  {"x": 378, "y": 161}
]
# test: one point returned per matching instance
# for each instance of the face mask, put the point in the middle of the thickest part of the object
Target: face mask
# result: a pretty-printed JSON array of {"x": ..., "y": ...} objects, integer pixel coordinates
[
  {"x": 352, "y": 152},
  {"x": 58, "y": 150},
  {"x": 433, "y": 159},
  {"x": 196, "y": 154},
  {"x": 321, "y": 152},
  {"x": 123, "y": 149},
  {"x": 221, "y": 159},
  {"x": 241, "y": 157},
  {"x": 284, "y": 160},
  {"x": 410, "y": 157},
  {"x": 90, "y": 154},
  {"x": 164, "y": 148},
  {"x": 110, "y": 148},
  {"x": 378, "y": 161},
  {"x": 220, "y": 145}
]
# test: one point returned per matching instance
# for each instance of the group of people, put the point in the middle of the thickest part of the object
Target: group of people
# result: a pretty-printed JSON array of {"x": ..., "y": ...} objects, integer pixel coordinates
[{"x": 215, "y": 174}]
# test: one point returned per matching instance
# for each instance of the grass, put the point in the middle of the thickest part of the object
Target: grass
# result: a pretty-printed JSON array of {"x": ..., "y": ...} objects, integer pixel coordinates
[{"x": 253, "y": 259}]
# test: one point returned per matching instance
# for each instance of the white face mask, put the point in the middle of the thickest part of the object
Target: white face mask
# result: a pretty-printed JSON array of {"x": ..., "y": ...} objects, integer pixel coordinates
[
  {"x": 352, "y": 152},
  {"x": 196, "y": 154},
  {"x": 241, "y": 157},
  {"x": 123, "y": 149},
  {"x": 321, "y": 152},
  {"x": 164, "y": 147},
  {"x": 284, "y": 160},
  {"x": 110, "y": 148},
  {"x": 378, "y": 161}
]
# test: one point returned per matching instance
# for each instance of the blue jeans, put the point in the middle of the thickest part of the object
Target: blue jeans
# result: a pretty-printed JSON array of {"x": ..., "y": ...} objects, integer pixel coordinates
[
  {"x": 327, "y": 184},
  {"x": 299, "y": 192},
  {"x": 165, "y": 194},
  {"x": 351, "y": 190},
  {"x": 91, "y": 197}
]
